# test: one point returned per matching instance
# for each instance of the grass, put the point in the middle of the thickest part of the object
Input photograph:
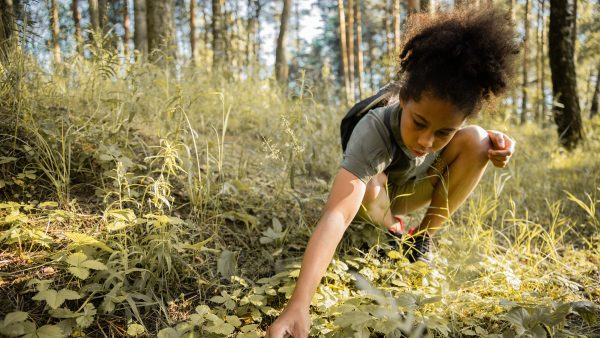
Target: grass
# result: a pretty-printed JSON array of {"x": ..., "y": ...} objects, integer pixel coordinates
[{"x": 139, "y": 201}]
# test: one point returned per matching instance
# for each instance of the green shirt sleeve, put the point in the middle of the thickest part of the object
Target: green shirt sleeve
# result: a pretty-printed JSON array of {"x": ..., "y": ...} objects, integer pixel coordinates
[{"x": 368, "y": 152}]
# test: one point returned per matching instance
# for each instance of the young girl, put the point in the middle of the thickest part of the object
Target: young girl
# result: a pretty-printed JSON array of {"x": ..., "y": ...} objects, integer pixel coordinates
[{"x": 415, "y": 152}]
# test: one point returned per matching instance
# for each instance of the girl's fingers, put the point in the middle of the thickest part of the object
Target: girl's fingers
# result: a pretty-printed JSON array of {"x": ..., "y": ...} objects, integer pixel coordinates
[
  {"x": 499, "y": 163},
  {"x": 497, "y": 139},
  {"x": 500, "y": 153},
  {"x": 509, "y": 143}
]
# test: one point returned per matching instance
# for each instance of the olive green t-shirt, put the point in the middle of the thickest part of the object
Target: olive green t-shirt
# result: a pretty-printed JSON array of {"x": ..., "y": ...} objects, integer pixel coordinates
[{"x": 376, "y": 146}]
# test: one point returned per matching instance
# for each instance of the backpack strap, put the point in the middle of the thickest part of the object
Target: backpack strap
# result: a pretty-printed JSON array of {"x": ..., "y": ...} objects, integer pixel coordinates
[{"x": 360, "y": 109}]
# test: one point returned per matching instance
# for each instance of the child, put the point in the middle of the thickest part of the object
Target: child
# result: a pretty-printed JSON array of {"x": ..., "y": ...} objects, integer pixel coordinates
[{"x": 415, "y": 152}]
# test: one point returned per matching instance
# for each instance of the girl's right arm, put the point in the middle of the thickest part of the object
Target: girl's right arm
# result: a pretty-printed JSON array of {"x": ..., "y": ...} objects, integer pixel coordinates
[{"x": 346, "y": 195}]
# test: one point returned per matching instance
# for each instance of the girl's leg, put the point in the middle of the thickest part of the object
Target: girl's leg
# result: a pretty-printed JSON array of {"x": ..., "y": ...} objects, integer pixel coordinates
[
  {"x": 464, "y": 161},
  {"x": 453, "y": 178},
  {"x": 375, "y": 207}
]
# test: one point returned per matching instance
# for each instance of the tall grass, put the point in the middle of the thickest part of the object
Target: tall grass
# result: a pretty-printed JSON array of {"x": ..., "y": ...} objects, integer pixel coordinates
[{"x": 192, "y": 199}]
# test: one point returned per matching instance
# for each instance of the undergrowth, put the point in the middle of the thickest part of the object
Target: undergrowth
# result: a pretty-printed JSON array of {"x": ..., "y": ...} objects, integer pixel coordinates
[{"x": 142, "y": 201}]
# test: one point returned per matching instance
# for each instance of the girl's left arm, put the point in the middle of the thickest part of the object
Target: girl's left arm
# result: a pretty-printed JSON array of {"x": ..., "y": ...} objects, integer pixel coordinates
[{"x": 502, "y": 148}]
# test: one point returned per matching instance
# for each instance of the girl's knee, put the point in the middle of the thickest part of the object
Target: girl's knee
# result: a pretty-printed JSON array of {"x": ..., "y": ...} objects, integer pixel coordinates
[{"x": 473, "y": 141}]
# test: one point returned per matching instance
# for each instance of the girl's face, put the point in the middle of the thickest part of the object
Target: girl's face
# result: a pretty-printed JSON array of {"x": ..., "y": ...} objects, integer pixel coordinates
[{"x": 429, "y": 124}]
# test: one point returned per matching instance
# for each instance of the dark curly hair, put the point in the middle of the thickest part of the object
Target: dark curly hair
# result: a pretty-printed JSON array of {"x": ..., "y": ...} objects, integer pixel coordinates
[{"x": 465, "y": 57}]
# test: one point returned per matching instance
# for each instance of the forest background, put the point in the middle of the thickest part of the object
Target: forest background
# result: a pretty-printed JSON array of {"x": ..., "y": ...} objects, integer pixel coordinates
[{"x": 163, "y": 164}]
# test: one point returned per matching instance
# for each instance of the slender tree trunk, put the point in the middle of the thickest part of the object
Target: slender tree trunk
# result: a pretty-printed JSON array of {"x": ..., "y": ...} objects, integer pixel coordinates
[
  {"x": 55, "y": 32},
  {"x": 428, "y": 6},
  {"x": 281, "y": 66},
  {"x": 561, "y": 45},
  {"x": 77, "y": 26},
  {"x": 237, "y": 40},
  {"x": 350, "y": 39},
  {"x": 193, "y": 31},
  {"x": 396, "y": 16},
  {"x": 543, "y": 64},
  {"x": 539, "y": 51},
  {"x": 126, "y": 30},
  {"x": 250, "y": 26},
  {"x": 7, "y": 30},
  {"x": 344, "y": 49},
  {"x": 140, "y": 35},
  {"x": 103, "y": 15},
  {"x": 94, "y": 19},
  {"x": 595, "y": 94},
  {"x": 218, "y": 49},
  {"x": 388, "y": 23},
  {"x": 359, "y": 49},
  {"x": 414, "y": 6},
  {"x": 161, "y": 31},
  {"x": 524, "y": 65},
  {"x": 512, "y": 112},
  {"x": 258, "y": 44},
  {"x": 205, "y": 29}
]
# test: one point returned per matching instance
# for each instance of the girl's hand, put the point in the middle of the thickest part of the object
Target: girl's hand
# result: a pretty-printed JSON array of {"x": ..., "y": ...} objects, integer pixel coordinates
[
  {"x": 502, "y": 148},
  {"x": 293, "y": 321}
]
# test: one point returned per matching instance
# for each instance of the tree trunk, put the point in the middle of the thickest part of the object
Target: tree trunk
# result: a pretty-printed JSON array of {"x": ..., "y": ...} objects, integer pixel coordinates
[
  {"x": 77, "y": 25},
  {"x": 140, "y": 34},
  {"x": 595, "y": 94},
  {"x": 103, "y": 15},
  {"x": 258, "y": 44},
  {"x": 55, "y": 32},
  {"x": 396, "y": 16},
  {"x": 359, "y": 49},
  {"x": 250, "y": 28},
  {"x": 193, "y": 31},
  {"x": 414, "y": 6},
  {"x": 344, "y": 49},
  {"x": 161, "y": 32},
  {"x": 543, "y": 65},
  {"x": 281, "y": 66},
  {"x": 561, "y": 43},
  {"x": 389, "y": 40},
  {"x": 512, "y": 111},
  {"x": 350, "y": 45},
  {"x": 94, "y": 19},
  {"x": 428, "y": 6},
  {"x": 524, "y": 65},
  {"x": 217, "y": 43},
  {"x": 538, "y": 53},
  {"x": 8, "y": 32},
  {"x": 126, "y": 30}
]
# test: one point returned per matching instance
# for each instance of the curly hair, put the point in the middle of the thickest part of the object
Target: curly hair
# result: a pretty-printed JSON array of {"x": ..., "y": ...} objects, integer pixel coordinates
[{"x": 465, "y": 57}]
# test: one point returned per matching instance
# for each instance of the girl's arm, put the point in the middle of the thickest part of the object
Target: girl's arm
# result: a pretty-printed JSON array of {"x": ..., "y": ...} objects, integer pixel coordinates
[{"x": 346, "y": 195}]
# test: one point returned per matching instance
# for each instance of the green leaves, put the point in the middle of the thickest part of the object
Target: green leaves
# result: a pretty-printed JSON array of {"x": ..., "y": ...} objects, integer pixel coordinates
[
  {"x": 15, "y": 324},
  {"x": 82, "y": 240},
  {"x": 227, "y": 264},
  {"x": 542, "y": 320},
  {"x": 46, "y": 331},
  {"x": 54, "y": 298},
  {"x": 119, "y": 219},
  {"x": 273, "y": 233},
  {"x": 135, "y": 330},
  {"x": 587, "y": 310},
  {"x": 81, "y": 265}
]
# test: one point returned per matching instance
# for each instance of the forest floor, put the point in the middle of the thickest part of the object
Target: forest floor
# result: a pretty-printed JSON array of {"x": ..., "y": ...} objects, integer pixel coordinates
[{"x": 136, "y": 202}]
